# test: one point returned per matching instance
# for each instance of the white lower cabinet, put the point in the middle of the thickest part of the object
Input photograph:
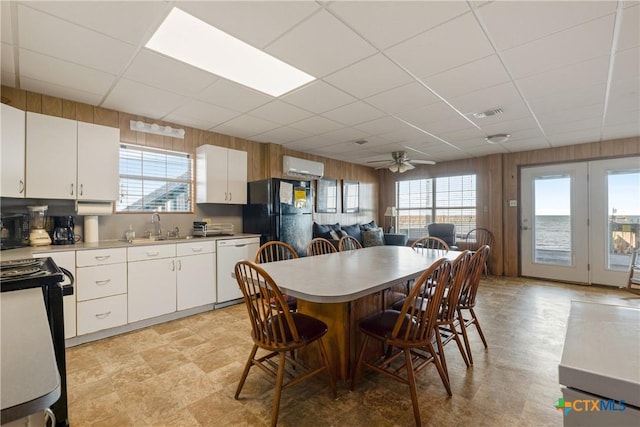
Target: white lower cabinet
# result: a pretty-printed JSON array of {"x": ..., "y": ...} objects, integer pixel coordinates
[
  {"x": 196, "y": 279},
  {"x": 101, "y": 289},
  {"x": 152, "y": 281},
  {"x": 66, "y": 259}
]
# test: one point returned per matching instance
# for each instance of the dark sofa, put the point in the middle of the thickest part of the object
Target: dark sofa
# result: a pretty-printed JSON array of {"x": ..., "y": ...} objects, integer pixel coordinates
[{"x": 368, "y": 234}]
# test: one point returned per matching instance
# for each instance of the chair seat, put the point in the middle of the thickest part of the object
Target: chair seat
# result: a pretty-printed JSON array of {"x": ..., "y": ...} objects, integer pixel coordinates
[
  {"x": 309, "y": 328},
  {"x": 381, "y": 324}
]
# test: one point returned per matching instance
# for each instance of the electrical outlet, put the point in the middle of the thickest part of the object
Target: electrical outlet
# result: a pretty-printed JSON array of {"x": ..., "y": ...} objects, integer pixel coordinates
[{"x": 513, "y": 203}]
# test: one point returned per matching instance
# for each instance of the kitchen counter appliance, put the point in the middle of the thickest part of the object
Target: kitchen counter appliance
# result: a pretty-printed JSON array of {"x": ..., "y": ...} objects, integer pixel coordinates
[
  {"x": 14, "y": 231},
  {"x": 205, "y": 229},
  {"x": 44, "y": 273}
]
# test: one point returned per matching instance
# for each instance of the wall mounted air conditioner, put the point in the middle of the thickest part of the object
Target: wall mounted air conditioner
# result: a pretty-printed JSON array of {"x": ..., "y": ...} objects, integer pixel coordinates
[{"x": 301, "y": 168}]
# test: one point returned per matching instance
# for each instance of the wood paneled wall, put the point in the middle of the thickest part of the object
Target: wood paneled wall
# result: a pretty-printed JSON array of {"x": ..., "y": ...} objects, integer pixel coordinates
[{"x": 264, "y": 160}]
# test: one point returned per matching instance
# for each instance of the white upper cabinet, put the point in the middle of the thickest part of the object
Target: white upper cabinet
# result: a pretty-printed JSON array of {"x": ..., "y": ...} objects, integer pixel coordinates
[
  {"x": 51, "y": 157},
  {"x": 98, "y": 175},
  {"x": 12, "y": 180},
  {"x": 221, "y": 175},
  {"x": 71, "y": 160}
]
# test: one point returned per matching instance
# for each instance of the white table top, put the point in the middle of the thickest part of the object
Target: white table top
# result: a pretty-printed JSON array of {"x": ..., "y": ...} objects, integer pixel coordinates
[
  {"x": 601, "y": 352},
  {"x": 30, "y": 381},
  {"x": 347, "y": 276}
]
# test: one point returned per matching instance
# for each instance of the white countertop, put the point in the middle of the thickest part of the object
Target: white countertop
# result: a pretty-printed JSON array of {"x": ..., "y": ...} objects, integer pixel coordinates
[
  {"x": 601, "y": 352},
  {"x": 347, "y": 276},
  {"x": 29, "y": 378},
  {"x": 27, "y": 252}
]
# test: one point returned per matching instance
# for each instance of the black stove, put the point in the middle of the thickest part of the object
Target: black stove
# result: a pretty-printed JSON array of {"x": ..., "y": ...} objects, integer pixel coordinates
[{"x": 44, "y": 273}]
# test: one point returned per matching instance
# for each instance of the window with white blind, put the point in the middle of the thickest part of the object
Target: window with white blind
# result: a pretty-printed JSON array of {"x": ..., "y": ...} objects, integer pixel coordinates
[
  {"x": 153, "y": 179},
  {"x": 446, "y": 199}
]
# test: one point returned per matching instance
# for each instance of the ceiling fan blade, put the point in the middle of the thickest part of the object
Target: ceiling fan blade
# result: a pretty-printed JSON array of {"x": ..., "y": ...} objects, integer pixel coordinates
[
  {"x": 423, "y": 162},
  {"x": 378, "y": 161},
  {"x": 409, "y": 165},
  {"x": 385, "y": 166}
]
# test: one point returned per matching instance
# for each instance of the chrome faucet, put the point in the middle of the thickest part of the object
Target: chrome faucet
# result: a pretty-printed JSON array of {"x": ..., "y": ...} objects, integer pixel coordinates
[{"x": 155, "y": 220}]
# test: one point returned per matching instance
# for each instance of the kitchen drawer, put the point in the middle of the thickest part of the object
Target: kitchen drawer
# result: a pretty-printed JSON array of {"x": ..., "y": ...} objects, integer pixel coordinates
[
  {"x": 195, "y": 248},
  {"x": 101, "y": 281},
  {"x": 143, "y": 253},
  {"x": 101, "y": 313},
  {"x": 100, "y": 257}
]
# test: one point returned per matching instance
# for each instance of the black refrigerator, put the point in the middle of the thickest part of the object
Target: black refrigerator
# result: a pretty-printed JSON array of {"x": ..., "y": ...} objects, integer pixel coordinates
[{"x": 279, "y": 209}]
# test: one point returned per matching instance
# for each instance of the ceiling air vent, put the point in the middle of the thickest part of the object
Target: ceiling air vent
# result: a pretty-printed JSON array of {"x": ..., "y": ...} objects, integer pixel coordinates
[{"x": 487, "y": 113}]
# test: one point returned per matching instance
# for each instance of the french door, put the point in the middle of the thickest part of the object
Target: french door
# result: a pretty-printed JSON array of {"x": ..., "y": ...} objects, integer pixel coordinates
[{"x": 580, "y": 221}]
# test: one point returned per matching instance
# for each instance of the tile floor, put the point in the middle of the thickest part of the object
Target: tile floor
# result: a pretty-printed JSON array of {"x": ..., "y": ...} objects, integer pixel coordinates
[{"x": 185, "y": 372}]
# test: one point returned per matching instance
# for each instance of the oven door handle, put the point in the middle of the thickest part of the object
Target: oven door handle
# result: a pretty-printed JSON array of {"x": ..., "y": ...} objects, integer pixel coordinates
[{"x": 67, "y": 289}]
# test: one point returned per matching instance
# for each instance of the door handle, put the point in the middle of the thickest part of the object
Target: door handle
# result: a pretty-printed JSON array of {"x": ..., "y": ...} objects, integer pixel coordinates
[
  {"x": 72, "y": 189},
  {"x": 102, "y": 282},
  {"x": 81, "y": 189},
  {"x": 21, "y": 187}
]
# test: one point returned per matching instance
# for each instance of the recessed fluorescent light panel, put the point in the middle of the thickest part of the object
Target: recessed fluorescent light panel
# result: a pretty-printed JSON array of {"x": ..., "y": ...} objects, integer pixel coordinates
[{"x": 188, "y": 39}]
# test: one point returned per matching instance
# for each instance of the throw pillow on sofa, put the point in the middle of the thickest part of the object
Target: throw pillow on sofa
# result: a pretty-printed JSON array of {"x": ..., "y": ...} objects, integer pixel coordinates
[
  {"x": 372, "y": 237},
  {"x": 324, "y": 230},
  {"x": 353, "y": 231},
  {"x": 368, "y": 226}
]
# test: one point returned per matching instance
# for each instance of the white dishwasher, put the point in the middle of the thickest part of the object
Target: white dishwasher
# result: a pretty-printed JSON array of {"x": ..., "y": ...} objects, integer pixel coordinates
[{"x": 229, "y": 252}]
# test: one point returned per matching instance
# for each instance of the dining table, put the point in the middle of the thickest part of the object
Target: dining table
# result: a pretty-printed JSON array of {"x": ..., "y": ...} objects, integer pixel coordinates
[{"x": 342, "y": 288}]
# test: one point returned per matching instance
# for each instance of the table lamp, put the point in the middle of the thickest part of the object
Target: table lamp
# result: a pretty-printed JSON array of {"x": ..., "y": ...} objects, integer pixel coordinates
[{"x": 391, "y": 212}]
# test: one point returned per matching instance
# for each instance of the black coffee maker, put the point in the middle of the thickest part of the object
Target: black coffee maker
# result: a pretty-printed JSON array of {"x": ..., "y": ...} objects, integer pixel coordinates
[{"x": 63, "y": 230}]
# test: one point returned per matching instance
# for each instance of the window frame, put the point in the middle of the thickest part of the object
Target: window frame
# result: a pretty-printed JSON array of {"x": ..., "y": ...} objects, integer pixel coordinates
[{"x": 190, "y": 182}]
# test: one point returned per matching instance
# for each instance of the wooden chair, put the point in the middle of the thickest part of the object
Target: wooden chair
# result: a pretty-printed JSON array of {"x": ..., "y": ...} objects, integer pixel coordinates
[
  {"x": 348, "y": 243},
  {"x": 467, "y": 300},
  {"x": 430, "y": 243},
  {"x": 408, "y": 333},
  {"x": 320, "y": 246},
  {"x": 278, "y": 251},
  {"x": 477, "y": 238},
  {"x": 634, "y": 273},
  {"x": 279, "y": 331}
]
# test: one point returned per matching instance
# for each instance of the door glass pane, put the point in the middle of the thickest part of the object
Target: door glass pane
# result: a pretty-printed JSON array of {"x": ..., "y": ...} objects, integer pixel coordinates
[
  {"x": 552, "y": 228},
  {"x": 623, "y": 189}
]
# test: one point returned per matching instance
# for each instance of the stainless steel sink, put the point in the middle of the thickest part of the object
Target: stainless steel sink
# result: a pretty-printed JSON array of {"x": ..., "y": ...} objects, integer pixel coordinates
[{"x": 152, "y": 239}]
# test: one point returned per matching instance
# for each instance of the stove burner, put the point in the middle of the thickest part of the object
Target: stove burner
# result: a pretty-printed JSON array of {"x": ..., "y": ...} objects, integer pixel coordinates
[
  {"x": 15, "y": 263},
  {"x": 22, "y": 272}
]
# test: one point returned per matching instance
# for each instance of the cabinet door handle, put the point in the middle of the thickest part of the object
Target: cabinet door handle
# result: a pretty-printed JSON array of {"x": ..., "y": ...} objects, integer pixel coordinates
[
  {"x": 81, "y": 189},
  {"x": 153, "y": 253},
  {"x": 230, "y": 196},
  {"x": 196, "y": 249},
  {"x": 179, "y": 265},
  {"x": 102, "y": 315},
  {"x": 21, "y": 187},
  {"x": 102, "y": 257},
  {"x": 72, "y": 189},
  {"x": 226, "y": 195},
  {"x": 173, "y": 266},
  {"x": 102, "y": 282}
]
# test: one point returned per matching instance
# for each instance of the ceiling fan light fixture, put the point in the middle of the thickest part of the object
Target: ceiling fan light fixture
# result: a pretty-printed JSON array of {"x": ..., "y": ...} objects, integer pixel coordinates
[
  {"x": 394, "y": 168},
  {"x": 498, "y": 138},
  {"x": 402, "y": 168}
]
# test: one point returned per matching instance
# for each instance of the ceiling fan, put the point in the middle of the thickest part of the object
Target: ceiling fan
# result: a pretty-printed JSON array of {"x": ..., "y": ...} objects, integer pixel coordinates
[{"x": 401, "y": 163}]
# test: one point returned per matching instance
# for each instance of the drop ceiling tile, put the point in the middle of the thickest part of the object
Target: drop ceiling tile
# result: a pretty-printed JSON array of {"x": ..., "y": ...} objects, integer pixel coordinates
[
  {"x": 257, "y": 23},
  {"x": 483, "y": 73},
  {"x": 567, "y": 47},
  {"x": 524, "y": 135},
  {"x": 318, "y": 97},
  {"x": 569, "y": 99},
  {"x": 468, "y": 134},
  {"x": 626, "y": 65},
  {"x": 6, "y": 35},
  {"x": 534, "y": 143},
  {"x": 509, "y": 126},
  {"x": 582, "y": 74},
  {"x": 320, "y": 45},
  {"x": 280, "y": 112},
  {"x": 308, "y": 144},
  {"x": 281, "y": 135},
  {"x": 628, "y": 130},
  {"x": 369, "y": 76},
  {"x": 513, "y": 23},
  {"x": 594, "y": 111},
  {"x": 373, "y": 141},
  {"x": 630, "y": 29},
  {"x": 128, "y": 21},
  {"x": 344, "y": 135},
  {"x": 317, "y": 125},
  {"x": 403, "y": 98},
  {"x": 200, "y": 115},
  {"x": 456, "y": 123},
  {"x": 575, "y": 137},
  {"x": 407, "y": 133},
  {"x": 245, "y": 126},
  {"x": 160, "y": 71},
  {"x": 59, "y": 91},
  {"x": 135, "y": 98},
  {"x": 353, "y": 114},
  {"x": 487, "y": 99},
  {"x": 6, "y": 58},
  {"x": 233, "y": 96},
  {"x": 47, "y": 69},
  {"x": 382, "y": 125},
  {"x": 564, "y": 126},
  {"x": 485, "y": 150},
  {"x": 623, "y": 110},
  {"x": 334, "y": 149},
  {"x": 54, "y": 37},
  {"x": 387, "y": 23},
  {"x": 428, "y": 53},
  {"x": 425, "y": 116}
]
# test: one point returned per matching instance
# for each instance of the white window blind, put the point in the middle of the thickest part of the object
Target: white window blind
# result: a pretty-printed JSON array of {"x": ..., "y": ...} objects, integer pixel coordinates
[{"x": 152, "y": 179}]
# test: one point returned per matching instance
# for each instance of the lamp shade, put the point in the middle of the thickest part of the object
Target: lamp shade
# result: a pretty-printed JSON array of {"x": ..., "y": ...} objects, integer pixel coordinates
[{"x": 391, "y": 211}]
